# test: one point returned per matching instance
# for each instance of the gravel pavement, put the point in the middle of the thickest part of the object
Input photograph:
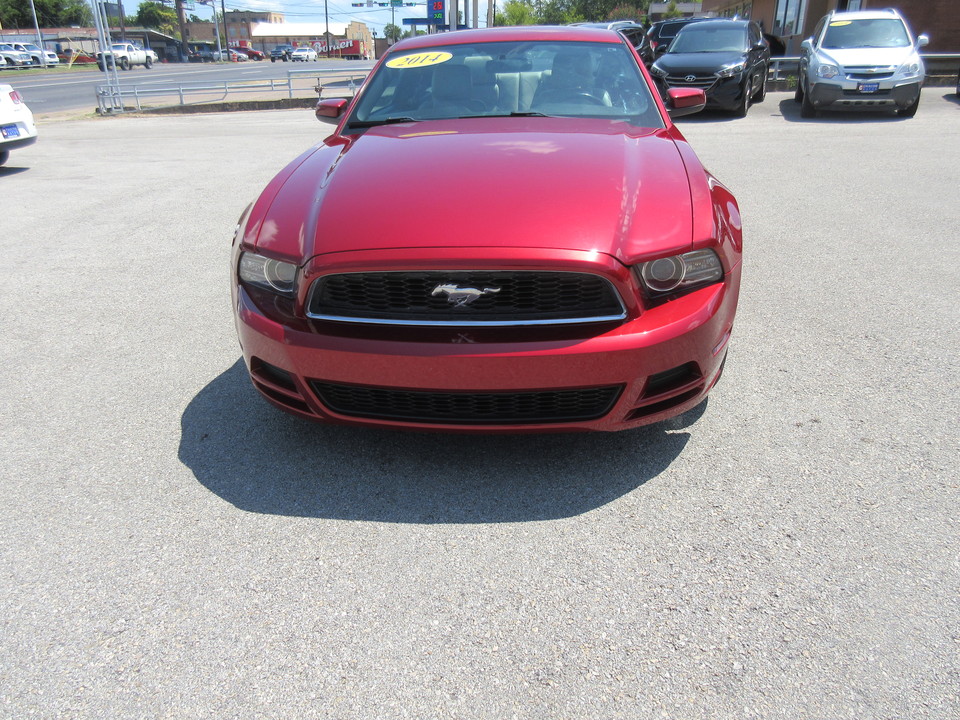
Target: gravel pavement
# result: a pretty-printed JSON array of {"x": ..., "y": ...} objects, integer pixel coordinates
[{"x": 175, "y": 547}]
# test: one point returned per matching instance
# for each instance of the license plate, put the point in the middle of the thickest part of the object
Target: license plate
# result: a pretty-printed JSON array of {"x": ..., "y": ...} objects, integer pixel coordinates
[
  {"x": 10, "y": 131},
  {"x": 868, "y": 87}
]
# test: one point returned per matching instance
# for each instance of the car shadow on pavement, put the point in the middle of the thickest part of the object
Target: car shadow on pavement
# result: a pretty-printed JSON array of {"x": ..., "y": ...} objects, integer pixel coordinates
[
  {"x": 6, "y": 170},
  {"x": 790, "y": 109},
  {"x": 262, "y": 460}
]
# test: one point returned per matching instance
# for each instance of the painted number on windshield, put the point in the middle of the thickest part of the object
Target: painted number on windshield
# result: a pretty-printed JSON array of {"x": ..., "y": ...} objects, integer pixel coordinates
[{"x": 419, "y": 60}]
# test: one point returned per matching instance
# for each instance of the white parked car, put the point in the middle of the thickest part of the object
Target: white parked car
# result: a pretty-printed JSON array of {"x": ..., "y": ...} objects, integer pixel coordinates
[
  {"x": 303, "y": 54},
  {"x": 867, "y": 59},
  {"x": 38, "y": 55},
  {"x": 232, "y": 55},
  {"x": 3, "y": 62},
  {"x": 17, "y": 128},
  {"x": 14, "y": 57}
]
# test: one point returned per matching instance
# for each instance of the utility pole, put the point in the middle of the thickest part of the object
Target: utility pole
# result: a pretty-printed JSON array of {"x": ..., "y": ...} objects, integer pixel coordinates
[
  {"x": 226, "y": 40},
  {"x": 326, "y": 18},
  {"x": 182, "y": 22}
]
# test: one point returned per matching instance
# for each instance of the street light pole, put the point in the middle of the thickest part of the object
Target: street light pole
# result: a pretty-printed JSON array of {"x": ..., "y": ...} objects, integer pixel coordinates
[{"x": 36, "y": 26}]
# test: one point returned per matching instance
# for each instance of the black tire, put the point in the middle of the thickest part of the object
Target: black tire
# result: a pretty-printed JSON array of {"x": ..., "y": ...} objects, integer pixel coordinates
[
  {"x": 807, "y": 110},
  {"x": 744, "y": 106},
  {"x": 4, "y": 154},
  {"x": 273, "y": 59},
  {"x": 124, "y": 63},
  {"x": 149, "y": 63},
  {"x": 798, "y": 93},
  {"x": 761, "y": 94},
  {"x": 910, "y": 110}
]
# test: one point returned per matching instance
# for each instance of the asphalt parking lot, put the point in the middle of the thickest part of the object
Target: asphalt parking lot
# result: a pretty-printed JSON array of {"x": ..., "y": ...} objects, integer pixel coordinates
[{"x": 172, "y": 546}]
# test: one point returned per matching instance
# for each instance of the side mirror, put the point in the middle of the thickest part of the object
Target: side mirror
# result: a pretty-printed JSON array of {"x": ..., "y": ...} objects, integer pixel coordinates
[
  {"x": 661, "y": 49},
  {"x": 329, "y": 111},
  {"x": 923, "y": 40},
  {"x": 685, "y": 101},
  {"x": 807, "y": 45}
]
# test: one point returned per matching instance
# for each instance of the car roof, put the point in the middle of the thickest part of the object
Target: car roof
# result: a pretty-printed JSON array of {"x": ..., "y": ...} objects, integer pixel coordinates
[
  {"x": 879, "y": 14},
  {"x": 722, "y": 22},
  {"x": 523, "y": 33}
]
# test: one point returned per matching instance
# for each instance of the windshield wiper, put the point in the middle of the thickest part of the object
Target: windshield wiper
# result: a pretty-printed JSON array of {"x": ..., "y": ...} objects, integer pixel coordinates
[
  {"x": 385, "y": 121},
  {"x": 503, "y": 115}
]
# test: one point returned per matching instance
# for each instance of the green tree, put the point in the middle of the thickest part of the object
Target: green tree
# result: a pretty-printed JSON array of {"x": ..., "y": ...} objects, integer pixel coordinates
[
  {"x": 156, "y": 15},
  {"x": 15, "y": 14},
  {"x": 558, "y": 12},
  {"x": 517, "y": 12},
  {"x": 392, "y": 33},
  {"x": 672, "y": 11}
]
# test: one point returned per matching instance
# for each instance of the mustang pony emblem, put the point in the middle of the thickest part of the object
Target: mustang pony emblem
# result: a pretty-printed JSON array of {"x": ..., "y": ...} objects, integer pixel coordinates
[{"x": 462, "y": 296}]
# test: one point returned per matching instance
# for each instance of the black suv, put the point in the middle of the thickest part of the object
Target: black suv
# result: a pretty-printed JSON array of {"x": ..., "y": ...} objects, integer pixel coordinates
[
  {"x": 661, "y": 33},
  {"x": 281, "y": 52},
  {"x": 633, "y": 31},
  {"x": 727, "y": 59}
]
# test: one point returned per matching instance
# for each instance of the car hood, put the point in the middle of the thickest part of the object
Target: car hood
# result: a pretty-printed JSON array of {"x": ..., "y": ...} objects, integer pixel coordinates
[
  {"x": 705, "y": 62},
  {"x": 878, "y": 57},
  {"x": 512, "y": 182}
]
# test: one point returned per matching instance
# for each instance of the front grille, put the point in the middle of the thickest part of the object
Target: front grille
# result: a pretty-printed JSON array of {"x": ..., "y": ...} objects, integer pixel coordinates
[
  {"x": 703, "y": 82},
  {"x": 463, "y": 298},
  {"x": 869, "y": 76},
  {"x": 468, "y": 408}
]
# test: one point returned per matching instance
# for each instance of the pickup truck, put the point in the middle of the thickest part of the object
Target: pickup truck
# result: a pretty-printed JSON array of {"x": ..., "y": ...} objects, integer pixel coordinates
[{"x": 125, "y": 55}]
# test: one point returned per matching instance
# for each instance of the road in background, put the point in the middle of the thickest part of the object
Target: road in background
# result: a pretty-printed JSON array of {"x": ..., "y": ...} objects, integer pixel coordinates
[
  {"x": 76, "y": 90},
  {"x": 173, "y": 546}
]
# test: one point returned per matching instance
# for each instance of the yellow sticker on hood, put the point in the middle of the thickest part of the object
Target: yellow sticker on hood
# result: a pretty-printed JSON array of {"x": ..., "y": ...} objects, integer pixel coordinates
[
  {"x": 840, "y": 23},
  {"x": 424, "y": 59}
]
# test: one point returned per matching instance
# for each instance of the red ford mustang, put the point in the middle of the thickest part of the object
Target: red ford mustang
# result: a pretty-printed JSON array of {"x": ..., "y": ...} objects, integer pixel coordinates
[{"x": 505, "y": 232}]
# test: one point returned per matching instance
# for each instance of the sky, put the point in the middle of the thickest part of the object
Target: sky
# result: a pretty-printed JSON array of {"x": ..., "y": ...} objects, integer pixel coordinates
[{"x": 340, "y": 11}]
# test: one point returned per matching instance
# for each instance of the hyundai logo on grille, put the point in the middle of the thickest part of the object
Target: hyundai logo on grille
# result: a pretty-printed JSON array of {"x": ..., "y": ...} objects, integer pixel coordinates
[
  {"x": 690, "y": 78},
  {"x": 461, "y": 297}
]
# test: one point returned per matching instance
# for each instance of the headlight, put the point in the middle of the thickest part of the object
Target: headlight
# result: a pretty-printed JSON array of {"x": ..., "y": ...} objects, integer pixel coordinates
[
  {"x": 681, "y": 272},
  {"x": 658, "y": 71},
  {"x": 828, "y": 71},
  {"x": 731, "y": 70},
  {"x": 274, "y": 275},
  {"x": 910, "y": 69}
]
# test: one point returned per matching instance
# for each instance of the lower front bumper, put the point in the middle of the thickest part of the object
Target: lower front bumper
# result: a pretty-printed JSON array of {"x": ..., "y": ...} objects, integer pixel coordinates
[
  {"x": 663, "y": 363},
  {"x": 17, "y": 143},
  {"x": 829, "y": 95}
]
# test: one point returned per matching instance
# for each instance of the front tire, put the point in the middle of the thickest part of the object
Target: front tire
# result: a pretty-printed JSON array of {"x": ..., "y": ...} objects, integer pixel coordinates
[
  {"x": 761, "y": 94},
  {"x": 744, "y": 106},
  {"x": 910, "y": 110},
  {"x": 807, "y": 109}
]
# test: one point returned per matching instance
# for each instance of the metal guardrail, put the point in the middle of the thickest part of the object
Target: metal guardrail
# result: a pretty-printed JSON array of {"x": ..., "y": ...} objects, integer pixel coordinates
[{"x": 113, "y": 99}]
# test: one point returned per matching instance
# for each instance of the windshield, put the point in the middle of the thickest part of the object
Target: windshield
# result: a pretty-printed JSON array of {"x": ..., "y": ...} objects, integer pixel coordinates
[
  {"x": 697, "y": 38},
  {"x": 878, "y": 32},
  {"x": 562, "y": 79}
]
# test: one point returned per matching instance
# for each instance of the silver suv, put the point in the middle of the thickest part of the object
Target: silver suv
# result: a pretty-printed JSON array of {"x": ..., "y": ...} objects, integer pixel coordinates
[{"x": 868, "y": 59}]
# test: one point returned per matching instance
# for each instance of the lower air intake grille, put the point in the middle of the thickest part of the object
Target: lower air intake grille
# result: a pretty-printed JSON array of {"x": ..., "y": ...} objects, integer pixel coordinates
[{"x": 469, "y": 408}]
